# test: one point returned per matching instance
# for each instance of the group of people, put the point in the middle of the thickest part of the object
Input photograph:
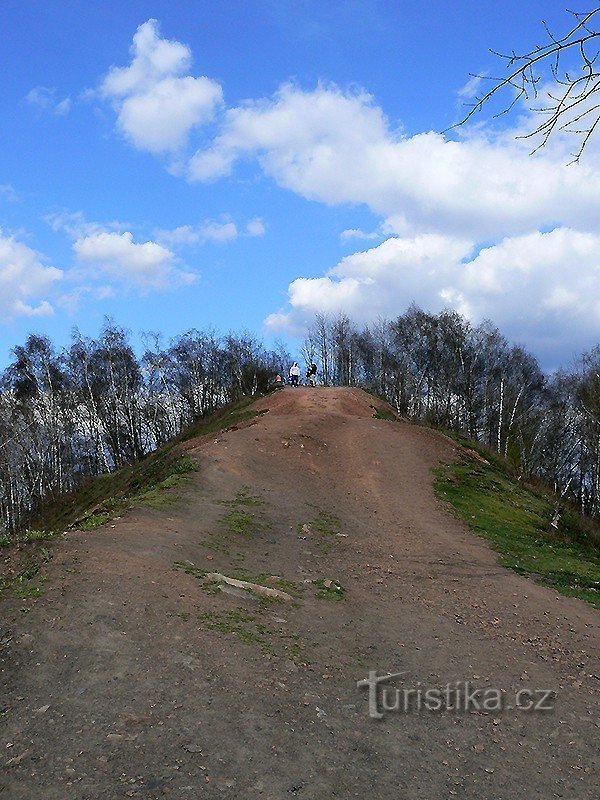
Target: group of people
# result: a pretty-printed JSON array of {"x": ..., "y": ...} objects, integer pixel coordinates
[{"x": 311, "y": 375}]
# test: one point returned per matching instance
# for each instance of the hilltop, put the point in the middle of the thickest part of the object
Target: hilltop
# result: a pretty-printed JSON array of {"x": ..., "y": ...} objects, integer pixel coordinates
[{"x": 207, "y": 637}]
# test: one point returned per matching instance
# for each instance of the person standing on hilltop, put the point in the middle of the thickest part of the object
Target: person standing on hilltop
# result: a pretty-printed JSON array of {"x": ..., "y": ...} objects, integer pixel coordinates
[
  {"x": 294, "y": 374},
  {"x": 311, "y": 375}
]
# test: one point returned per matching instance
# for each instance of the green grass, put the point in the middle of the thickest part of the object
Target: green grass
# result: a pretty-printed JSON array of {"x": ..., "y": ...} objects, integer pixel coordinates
[
  {"x": 27, "y": 582},
  {"x": 222, "y": 419},
  {"x": 326, "y": 524},
  {"x": 334, "y": 592},
  {"x": 515, "y": 519},
  {"x": 383, "y": 412},
  {"x": 249, "y": 629},
  {"x": 235, "y": 622},
  {"x": 24, "y": 536},
  {"x": 236, "y": 521}
]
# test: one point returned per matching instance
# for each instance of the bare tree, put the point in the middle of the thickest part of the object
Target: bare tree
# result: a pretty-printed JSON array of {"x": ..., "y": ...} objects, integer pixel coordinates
[{"x": 573, "y": 105}]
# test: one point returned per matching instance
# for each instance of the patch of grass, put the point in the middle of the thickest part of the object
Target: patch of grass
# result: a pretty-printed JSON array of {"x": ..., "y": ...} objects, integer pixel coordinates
[
  {"x": 27, "y": 582},
  {"x": 326, "y": 524},
  {"x": 25, "y": 536},
  {"x": 190, "y": 569},
  {"x": 333, "y": 592},
  {"x": 251, "y": 629},
  {"x": 227, "y": 417},
  {"x": 236, "y": 622},
  {"x": 244, "y": 498},
  {"x": 219, "y": 542},
  {"x": 237, "y": 521},
  {"x": 383, "y": 412},
  {"x": 28, "y": 590},
  {"x": 103, "y": 498},
  {"x": 516, "y": 521}
]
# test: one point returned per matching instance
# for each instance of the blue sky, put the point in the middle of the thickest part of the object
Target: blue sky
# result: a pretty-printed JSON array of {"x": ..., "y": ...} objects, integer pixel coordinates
[{"x": 247, "y": 164}]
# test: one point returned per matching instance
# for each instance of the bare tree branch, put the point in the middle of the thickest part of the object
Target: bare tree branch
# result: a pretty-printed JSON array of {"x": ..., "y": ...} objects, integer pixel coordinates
[{"x": 573, "y": 103}]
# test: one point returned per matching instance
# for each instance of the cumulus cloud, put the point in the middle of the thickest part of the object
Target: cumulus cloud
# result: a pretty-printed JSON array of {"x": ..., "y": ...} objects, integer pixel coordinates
[
  {"x": 146, "y": 265},
  {"x": 157, "y": 103},
  {"x": 542, "y": 287},
  {"x": 338, "y": 147},
  {"x": 536, "y": 218},
  {"x": 45, "y": 98},
  {"x": 218, "y": 231},
  {"x": 478, "y": 224},
  {"x": 25, "y": 279}
]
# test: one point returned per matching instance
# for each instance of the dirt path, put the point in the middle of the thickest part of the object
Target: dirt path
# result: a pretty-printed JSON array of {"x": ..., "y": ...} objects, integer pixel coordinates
[{"x": 131, "y": 677}]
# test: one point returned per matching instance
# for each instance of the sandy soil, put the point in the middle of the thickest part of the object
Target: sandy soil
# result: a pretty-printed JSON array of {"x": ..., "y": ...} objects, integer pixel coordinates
[{"x": 127, "y": 678}]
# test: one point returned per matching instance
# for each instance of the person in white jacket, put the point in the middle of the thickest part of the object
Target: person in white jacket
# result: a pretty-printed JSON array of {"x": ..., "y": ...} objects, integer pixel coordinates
[{"x": 294, "y": 374}]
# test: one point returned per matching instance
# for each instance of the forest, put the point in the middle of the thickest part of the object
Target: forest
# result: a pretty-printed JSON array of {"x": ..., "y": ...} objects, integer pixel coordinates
[{"x": 96, "y": 405}]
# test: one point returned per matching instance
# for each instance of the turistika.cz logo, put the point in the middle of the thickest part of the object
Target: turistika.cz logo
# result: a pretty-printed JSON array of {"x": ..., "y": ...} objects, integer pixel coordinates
[{"x": 460, "y": 696}]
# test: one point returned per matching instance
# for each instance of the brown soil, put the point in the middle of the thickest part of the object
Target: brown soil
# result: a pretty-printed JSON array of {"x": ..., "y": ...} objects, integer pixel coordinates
[{"x": 118, "y": 682}]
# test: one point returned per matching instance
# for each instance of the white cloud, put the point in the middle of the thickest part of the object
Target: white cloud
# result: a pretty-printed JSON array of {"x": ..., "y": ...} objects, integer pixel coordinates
[
  {"x": 218, "y": 231},
  {"x": 542, "y": 288},
  {"x": 182, "y": 235},
  {"x": 443, "y": 197},
  {"x": 44, "y": 97},
  {"x": 24, "y": 280},
  {"x": 356, "y": 233},
  {"x": 472, "y": 87},
  {"x": 337, "y": 147},
  {"x": 77, "y": 226},
  {"x": 157, "y": 104},
  {"x": 210, "y": 231},
  {"x": 255, "y": 227},
  {"x": 207, "y": 231},
  {"x": 146, "y": 265}
]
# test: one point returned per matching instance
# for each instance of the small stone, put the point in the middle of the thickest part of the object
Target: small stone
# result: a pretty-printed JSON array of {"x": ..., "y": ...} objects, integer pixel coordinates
[{"x": 192, "y": 748}]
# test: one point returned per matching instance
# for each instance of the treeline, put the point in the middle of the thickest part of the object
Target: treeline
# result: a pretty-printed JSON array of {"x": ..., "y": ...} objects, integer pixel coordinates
[
  {"x": 97, "y": 405},
  {"x": 441, "y": 370},
  {"x": 66, "y": 416}
]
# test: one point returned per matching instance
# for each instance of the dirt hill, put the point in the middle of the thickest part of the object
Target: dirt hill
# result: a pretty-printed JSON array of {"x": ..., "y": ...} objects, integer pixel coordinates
[{"x": 211, "y": 647}]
